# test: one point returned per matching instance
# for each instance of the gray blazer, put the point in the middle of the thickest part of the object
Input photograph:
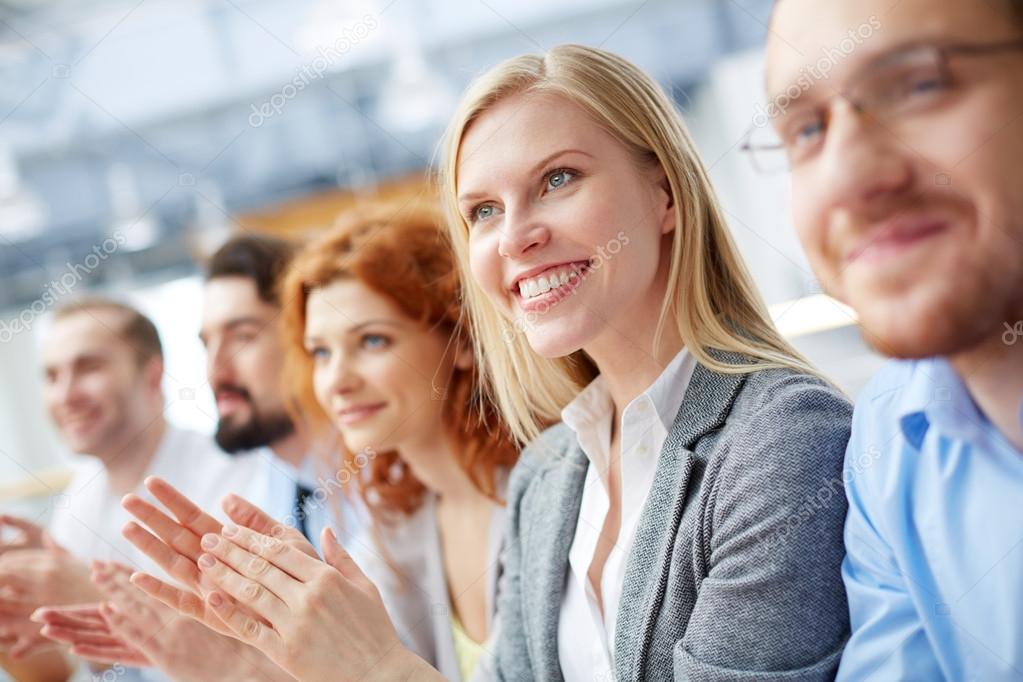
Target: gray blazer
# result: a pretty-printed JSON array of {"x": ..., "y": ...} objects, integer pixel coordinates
[{"x": 735, "y": 573}]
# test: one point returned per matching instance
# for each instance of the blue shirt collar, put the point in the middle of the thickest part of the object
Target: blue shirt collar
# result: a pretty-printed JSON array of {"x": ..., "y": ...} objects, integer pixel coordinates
[{"x": 936, "y": 396}]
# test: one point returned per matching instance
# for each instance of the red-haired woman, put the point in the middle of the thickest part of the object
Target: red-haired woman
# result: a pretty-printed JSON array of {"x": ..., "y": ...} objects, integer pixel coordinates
[{"x": 376, "y": 349}]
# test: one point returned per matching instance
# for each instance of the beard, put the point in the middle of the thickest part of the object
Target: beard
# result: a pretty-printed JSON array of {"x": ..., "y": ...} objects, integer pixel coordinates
[{"x": 259, "y": 430}]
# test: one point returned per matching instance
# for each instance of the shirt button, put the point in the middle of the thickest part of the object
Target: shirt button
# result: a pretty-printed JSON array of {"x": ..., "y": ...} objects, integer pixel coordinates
[{"x": 644, "y": 450}]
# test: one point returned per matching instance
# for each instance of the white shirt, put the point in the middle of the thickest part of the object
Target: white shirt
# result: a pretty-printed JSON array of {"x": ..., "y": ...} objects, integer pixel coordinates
[
  {"x": 586, "y": 632},
  {"x": 88, "y": 516}
]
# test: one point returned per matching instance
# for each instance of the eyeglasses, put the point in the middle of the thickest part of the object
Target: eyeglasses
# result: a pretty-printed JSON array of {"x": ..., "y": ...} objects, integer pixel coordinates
[{"x": 907, "y": 82}]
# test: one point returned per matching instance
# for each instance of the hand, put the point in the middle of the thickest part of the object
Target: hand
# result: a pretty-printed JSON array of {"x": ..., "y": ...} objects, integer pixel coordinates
[
  {"x": 86, "y": 630},
  {"x": 30, "y": 535},
  {"x": 175, "y": 547},
  {"x": 305, "y": 608},
  {"x": 135, "y": 629},
  {"x": 32, "y": 578}
]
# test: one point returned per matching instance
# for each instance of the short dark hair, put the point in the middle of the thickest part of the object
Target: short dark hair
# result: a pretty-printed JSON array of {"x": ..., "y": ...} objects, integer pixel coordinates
[
  {"x": 1017, "y": 10},
  {"x": 137, "y": 330},
  {"x": 260, "y": 258}
]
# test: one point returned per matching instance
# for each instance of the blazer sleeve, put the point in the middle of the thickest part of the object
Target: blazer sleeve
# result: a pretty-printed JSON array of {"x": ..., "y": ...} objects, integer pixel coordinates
[
  {"x": 508, "y": 660},
  {"x": 771, "y": 604}
]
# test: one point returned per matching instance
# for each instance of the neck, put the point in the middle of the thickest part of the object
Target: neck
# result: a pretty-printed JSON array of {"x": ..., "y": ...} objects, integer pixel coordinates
[
  {"x": 127, "y": 466},
  {"x": 435, "y": 466},
  {"x": 993, "y": 373},
  {"x": 292, "y": 449},
  {"x": 627, "y": 361}
]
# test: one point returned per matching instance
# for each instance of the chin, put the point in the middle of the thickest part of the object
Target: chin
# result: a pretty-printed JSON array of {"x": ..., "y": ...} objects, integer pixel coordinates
[
  {"x": 917, "y": 330},
  {"x": 557, "y": 338}
]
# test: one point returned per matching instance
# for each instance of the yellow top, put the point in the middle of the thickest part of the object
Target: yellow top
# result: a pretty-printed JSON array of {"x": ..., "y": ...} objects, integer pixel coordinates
[{"x": 467, "y": 650}]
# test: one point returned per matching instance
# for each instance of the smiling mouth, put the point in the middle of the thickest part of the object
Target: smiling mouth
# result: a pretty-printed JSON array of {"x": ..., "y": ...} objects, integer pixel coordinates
[{"x": 559, "y": 279}]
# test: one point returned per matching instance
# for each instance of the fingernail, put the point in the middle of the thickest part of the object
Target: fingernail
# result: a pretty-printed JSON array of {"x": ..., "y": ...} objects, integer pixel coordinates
[
  {"x": 209, "y": 541},
  {"x": 215, "y": 599},
  {"x": 207, "y": 561},
  {"x": 230, "y": 531}
]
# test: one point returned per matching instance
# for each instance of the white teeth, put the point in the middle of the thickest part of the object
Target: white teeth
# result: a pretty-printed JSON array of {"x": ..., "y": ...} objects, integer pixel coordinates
[{"x": 535, "y": 286}]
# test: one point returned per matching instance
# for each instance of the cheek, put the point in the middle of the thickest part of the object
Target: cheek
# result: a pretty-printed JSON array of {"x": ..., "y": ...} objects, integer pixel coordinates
[
  {"x": 485, "y": 264},
  {"x": 322, "y": 380}
]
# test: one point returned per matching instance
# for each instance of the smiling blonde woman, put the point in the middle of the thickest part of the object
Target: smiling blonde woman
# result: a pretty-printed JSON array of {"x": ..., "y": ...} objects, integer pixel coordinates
[{"x": 662, "y": 529}]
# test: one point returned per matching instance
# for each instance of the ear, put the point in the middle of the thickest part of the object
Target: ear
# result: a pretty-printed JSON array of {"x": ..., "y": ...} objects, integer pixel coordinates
[
  {"x": 153, "y": 373},
  {"x": 666, "y": 202},
  {"x": 464, "y": 357}
]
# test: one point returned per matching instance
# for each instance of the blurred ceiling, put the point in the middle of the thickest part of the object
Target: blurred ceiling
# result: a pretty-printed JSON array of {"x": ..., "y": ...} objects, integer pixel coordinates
[{"x": 130, "y": 129}]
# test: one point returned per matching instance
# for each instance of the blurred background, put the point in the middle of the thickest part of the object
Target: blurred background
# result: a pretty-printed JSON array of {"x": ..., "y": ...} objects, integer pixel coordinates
[{"x": 136, "y": 135}]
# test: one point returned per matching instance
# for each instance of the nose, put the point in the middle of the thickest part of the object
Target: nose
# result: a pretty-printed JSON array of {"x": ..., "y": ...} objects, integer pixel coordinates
[
  {"x": 344, "y": 377},
  {"x": 863, "y": 165},
  {"x": 218, "y": 364},
  {"x": 521, "y": 232}
]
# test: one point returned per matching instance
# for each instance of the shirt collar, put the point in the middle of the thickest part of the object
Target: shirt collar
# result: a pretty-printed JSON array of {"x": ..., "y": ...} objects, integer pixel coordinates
[
  {"x": 593, "y": 403},
  {"x": 936, "y": 396}
]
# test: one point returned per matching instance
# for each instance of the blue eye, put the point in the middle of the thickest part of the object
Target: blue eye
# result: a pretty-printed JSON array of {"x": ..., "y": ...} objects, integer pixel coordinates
[
  {"x": 318, "y": 353},
  {"x": 375, "y": 341},
  {"x": 559, "y": 178},
  {"x": 483, "y": 212}
]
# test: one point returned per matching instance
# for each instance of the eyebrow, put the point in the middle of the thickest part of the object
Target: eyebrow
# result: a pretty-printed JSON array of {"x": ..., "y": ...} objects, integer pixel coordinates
[
  {"x": 230, "y": 325},
  {"x": 355, "y": 328},
  {"x": 469, "y": 196}
]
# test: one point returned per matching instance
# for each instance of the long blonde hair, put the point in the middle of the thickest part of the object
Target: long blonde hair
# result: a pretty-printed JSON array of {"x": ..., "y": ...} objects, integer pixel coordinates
[{"x": 710, "y": 294}]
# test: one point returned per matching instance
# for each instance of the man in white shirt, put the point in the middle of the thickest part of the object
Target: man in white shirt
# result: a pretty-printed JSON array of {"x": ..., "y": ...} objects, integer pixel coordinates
[{"x": 103, "y": 366}]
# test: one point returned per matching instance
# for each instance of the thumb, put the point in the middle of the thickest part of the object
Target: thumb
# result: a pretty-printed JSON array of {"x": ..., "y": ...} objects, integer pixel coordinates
[
  {"x": 50, "y": 543},
  {"x": 336, "y": 555}
]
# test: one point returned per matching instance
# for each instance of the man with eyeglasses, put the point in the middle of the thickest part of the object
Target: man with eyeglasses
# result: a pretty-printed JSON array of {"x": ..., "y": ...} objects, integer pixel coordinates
[{"x": 906, "y": 164}]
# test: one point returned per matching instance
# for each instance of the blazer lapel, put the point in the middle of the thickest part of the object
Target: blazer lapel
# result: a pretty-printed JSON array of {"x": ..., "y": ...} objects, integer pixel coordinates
[
  {"x": 547, "y": 542},
  {"x": 704, "y": 408}
]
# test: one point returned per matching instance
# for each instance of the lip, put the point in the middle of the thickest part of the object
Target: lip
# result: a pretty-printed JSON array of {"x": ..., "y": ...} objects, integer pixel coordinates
[
  {"x": 540, "y": 269},
  {"x": 895, "y": 237},
  {"x": 356, "y": 413},
  {"x": 228, "y": 402}
]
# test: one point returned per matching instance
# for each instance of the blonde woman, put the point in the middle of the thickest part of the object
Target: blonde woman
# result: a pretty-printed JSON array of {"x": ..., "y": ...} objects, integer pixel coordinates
[{"x": 670, "y": 526}]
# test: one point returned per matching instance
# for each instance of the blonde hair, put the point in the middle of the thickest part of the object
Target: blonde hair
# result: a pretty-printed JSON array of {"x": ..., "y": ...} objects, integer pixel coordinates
[{"x": 710, "y": 294}]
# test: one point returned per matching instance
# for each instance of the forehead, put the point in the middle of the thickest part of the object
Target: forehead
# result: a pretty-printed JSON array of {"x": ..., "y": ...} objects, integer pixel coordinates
[
  {"x": 522, "y": 129},
  {"x": 345, "y": 303},
  {"x": 89, "y": 332},
  {"x": 839, "y": 35},
  {"x": 229, "y": 298}
]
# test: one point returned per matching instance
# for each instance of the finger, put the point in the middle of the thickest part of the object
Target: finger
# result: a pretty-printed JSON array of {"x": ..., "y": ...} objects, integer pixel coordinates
[
  {"x": 112, "y": 655},
  {"x": 174, "y": 535},
  {"x": 75, "y": 637},
  {"x": 338, "y": 557},
  {"x": 136, "y": 632},
  {"x": 242, "y": 625},
  {"x": 174, "y": 563},
  {"x": 18, "y": 523},
  {"x": 185, "y": 511},
  {"x": 185, "y": 603},
  {"x": 31, "y": 645},
  {"x": 16, "y": 607},
  {"x": 281, "y": 554},
  {"x": 253, "y": 567},
  {"x": 182, "y": 601},
  {"x": 86, "y": 617},
  {"x": 117, "y": 588},
  {"x": 246, "y": 514},
  {"x": 248, "y": 593}
]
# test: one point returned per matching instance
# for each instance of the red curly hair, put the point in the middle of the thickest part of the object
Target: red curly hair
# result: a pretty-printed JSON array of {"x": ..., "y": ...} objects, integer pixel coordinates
[{"x": 403, "y": 254}]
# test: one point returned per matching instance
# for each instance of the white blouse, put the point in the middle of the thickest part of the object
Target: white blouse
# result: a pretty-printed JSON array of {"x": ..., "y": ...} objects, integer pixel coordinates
[{"x": 586, "y": 632}]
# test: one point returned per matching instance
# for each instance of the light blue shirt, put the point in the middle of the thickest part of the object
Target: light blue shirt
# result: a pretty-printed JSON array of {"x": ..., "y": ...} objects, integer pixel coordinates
[{"x": 934, "y": 537}]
